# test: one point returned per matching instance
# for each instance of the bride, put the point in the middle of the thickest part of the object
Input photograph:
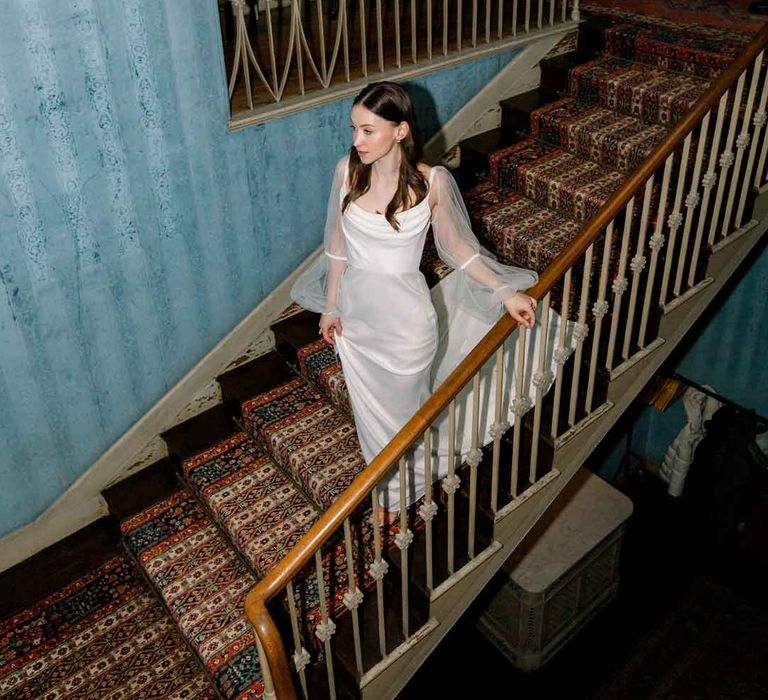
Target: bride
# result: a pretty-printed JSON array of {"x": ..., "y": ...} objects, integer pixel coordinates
[{"x": 376, "y": 307}]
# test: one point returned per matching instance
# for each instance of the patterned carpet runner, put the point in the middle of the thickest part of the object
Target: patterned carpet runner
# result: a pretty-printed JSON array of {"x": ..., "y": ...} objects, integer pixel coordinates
[
  {"x": 649, "y": 93},
  {"x": 251, "y": 499},
  {"x": 308, "y": 436},
  {"x": 204, "y": 584},
  {"x": 319, "y": 364},
  {"x": 104, "y": 637}
]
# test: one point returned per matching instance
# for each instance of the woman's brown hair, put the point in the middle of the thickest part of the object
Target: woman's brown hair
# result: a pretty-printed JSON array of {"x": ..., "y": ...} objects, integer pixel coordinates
[{"x": 391, "y": 102}]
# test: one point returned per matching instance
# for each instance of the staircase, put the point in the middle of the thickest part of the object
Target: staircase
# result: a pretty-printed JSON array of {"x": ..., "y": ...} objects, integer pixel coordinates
[{"x": 634, "y": 209}]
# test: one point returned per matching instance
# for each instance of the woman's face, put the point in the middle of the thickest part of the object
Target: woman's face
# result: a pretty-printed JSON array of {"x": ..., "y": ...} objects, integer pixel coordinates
[{"x": 374, "y": 136}]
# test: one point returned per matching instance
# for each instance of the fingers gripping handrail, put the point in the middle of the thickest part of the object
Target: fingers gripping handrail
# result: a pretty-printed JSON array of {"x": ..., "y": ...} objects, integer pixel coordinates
[{"x": 368, "y": 479}]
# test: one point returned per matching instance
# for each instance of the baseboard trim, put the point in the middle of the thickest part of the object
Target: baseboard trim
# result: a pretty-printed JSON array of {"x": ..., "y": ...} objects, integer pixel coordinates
[{"x": 82, "y": 503}]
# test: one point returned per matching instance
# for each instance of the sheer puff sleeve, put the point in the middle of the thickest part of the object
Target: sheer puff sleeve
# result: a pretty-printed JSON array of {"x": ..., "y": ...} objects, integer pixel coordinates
[
  {"x": 317, "y": 288},
  {"x": 484, "y": 283}
]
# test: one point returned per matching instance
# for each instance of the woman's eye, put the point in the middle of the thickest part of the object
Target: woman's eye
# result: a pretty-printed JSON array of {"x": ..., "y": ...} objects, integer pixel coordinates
[{"x": 367, "y": 132}]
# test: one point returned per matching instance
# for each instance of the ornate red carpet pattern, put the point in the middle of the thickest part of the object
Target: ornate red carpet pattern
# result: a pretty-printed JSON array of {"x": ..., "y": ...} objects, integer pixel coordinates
[
  {"x": 204, "y": 584},
  {"x": 595, "y": 133},
  {"x": 308, "y": 436},
  {"x": 319, "y": 364},
  {"x": 104, "y": 637},
  {"x": 260, "y": 509},
  {"x": 715, "y": 18},
  {"x": 649, "y": 93}
]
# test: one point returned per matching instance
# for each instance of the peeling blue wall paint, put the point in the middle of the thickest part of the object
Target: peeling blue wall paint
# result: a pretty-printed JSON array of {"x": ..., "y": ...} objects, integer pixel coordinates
[{"x": 135, "y": 230}]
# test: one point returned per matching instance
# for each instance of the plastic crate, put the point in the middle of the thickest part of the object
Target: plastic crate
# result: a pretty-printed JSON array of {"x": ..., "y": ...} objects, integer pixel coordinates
[{"x": 563, "y": 572}]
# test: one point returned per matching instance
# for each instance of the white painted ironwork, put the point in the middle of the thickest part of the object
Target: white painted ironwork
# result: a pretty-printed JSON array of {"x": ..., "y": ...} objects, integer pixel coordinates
[
  {"x": 519, "y": 406},
  {"x": 498, "y": 429},
  {"x": 326, "y": 51},
  {"x": 676, "y": 218},
  {"x": 580, "y": 333},
  {"x": 326, "y": 627},
  {"x": 428, "y": 509},
  {"x": 742, "y": 141},
  {"x": 599, "y": 311},
  {"x": 378, "y": 569},
  {"x": 474, "y": 457},
  {"x": 301, "y": 656},
  {"x": 758, "y": 122},
  {"x": 541, "y": 379},
  {"x": 561, "y": 354},
  {"x": 403, "y": 540},
  {"x": 621, "y": 287},
  {"x": 726, "y": 157},
  {"x": 353, "y": 598}
]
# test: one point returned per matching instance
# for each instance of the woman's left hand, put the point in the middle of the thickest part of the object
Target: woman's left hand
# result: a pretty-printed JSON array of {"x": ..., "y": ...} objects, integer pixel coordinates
[{"x": 522, "y": 308}]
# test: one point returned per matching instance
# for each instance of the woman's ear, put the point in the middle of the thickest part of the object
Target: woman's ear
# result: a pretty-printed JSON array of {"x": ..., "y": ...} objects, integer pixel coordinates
[{"x": 402, "y": 130}]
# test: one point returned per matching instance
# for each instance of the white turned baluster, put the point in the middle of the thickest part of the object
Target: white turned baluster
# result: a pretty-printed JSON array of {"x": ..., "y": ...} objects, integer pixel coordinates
[
  {"x": 676, "y": 219},
  {"x": 540, "y": 17},
  {"x": 620, "y": 284},
  {"x": 599, "y": 310},
  {"x": 364, "y": 39},
  {"x": 414, "y": 47},
  {"x": 551, "y": 12},
  {"x": 564, "y": 10},
  {"x": 403, "y": 540},
  {"x": 398, "y": 55},
  {"x": 321, "y": 38},
  {"x": 692, "y": 200},
  {"x": 580, "y": 332},
  {"x": 451, "y": 482},
  {"x": 380, "y": 35},
  {"x": 575, "y": 12},
  {"x": 708, "y": 181},
  {"x": 726, "y": 158},
  {"x": 742, "y": 141},
  {"x": 378, "y": 569},
  {"x": 474, "y": 23},
  {"x": 497, "y": 429},
  {"x": 758, "y": 122},
  {"x": 514, "y": 18},
  {"x": 445, "y": 27},
  {"x": 637, "y": 265},
  {"x": 527, "y": 16},
  {"x": 269, "y": 688},
  {"x": 326, "y": 627},
  {"x": 353, "y": 597},
  {"x": 300, "y": 655},
  {"x": 541, "y": 381},
  {"x": 561, "y": 354},
  {"x": 473, "y": 460},
  {"x": 429, "y": 30},
  {"x": 656, "y": 243},
  {"x": 500, "y": 32},
  {"x": 487, "y": 21},
  {"x": 428, "y": 510},
  {"x": 295, "y": 19},
  {"x": 520, "y": 406},
  {"x": 458, "y": 24}
]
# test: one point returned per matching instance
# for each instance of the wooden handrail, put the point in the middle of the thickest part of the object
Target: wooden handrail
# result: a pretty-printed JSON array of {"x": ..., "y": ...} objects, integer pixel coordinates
[{"x": 367, "y": 480}]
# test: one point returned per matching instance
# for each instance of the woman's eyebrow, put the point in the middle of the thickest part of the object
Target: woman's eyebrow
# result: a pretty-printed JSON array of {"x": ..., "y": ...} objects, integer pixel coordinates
[{"x": 371, "y": 125}]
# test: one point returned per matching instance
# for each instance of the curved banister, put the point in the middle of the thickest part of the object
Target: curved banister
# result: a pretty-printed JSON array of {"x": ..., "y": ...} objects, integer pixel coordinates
[{"x": 387, "y": 459}]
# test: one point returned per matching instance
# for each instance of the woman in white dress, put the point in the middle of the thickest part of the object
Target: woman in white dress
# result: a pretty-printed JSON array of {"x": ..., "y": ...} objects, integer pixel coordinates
[{"x": 375, "y": 304}]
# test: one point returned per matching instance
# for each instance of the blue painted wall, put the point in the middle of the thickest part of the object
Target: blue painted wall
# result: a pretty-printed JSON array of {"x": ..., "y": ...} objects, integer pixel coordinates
[
  {"x": 135, "y": 231},
  {"x": 726, "y": 351}
]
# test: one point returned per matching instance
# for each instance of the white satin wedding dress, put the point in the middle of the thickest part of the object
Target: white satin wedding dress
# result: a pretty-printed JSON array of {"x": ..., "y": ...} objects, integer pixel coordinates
[{"x": 391, "y": 336}]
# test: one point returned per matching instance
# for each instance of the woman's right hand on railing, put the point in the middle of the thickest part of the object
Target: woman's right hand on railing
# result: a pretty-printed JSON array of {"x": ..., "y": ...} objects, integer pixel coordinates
[{"x": 330, "y": 325}]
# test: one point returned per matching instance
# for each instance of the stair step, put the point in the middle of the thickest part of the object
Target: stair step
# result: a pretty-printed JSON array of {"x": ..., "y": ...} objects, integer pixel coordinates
[
  {"x": 517, "y": 229},
  {"x": 104, "y": 635},
  {"x": 475, "y": 150},
  {"x": 203, "y": 583},
  {"x": 647, "y": 92},
  {"x": 554, "y": 73},
  {"x": 260, "y": 374},
  {"x": 308, "y": 436},
  {"x": 516, "y": 110},
  {"x": 258, "y": 507},
  {"x": 703, "y": 56},
  {"x": 554, "y": 178},
  {"x": 595, "y": 133}
]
